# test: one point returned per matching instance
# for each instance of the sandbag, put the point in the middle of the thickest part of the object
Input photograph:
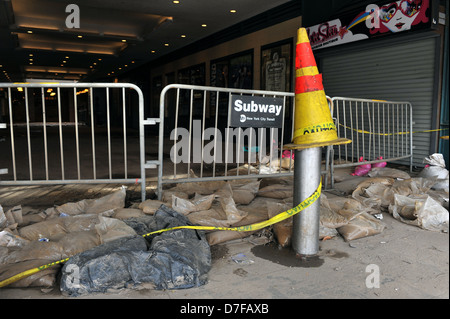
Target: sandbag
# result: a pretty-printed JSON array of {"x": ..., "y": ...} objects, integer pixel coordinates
[
  {"x": 104, "y": 205},
  {"x": 436, "y": 170},
  {"x": 150, "y": 206},
  {"x": 176, "y": 259},
  {"x": 125, "y": 213},
  {"x": 283, "y": 229},
  {"x": 279, "y": 191},
  {"x": 244, "y": 192},
  {"x": 362, "y": 225},
  {"x": 388, "y": 172},
  {"x": 45, "y": 278},
  {"x": 420, "y": 210},
  {"x": 198, "y": 203}
]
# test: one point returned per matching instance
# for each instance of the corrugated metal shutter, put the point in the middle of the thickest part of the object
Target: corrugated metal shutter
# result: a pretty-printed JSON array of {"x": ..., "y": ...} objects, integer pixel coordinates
[{"x": 400, "y": 72}]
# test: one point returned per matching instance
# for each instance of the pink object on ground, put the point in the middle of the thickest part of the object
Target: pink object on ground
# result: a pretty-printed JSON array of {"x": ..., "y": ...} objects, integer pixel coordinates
[
  {"x": 363, "y": 169},
  {"x": 381, "y": 164},
  {"x": 287, "y": 154}
]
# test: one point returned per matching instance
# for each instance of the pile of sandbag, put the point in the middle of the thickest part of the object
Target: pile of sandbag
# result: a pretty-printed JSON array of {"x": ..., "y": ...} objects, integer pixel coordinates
[
  {"x": 412, "y": 201},
  {"x": 245, "y": 202},
  {"x": 31, "y": 240},
  {"x": 176, "y": 259},
  {"x": 105, "y": 242}
]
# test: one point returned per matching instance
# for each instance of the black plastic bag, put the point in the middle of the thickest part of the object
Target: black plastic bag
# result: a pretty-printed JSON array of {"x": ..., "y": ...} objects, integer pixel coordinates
[{"x": 175, "y": 259}]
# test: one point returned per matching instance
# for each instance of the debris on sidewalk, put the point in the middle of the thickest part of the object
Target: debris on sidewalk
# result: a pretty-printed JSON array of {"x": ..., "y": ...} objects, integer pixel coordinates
[
  {"x": 177, "y": 259},
  {"x": 103, "y": 235}
]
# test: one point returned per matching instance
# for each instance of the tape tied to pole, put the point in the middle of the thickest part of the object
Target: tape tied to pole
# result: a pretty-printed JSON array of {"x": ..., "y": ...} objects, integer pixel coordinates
[{"x": 257, "y": 226}]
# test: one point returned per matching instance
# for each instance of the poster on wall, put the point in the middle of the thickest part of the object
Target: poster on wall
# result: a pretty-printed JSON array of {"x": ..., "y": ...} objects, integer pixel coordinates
[
  {"x": 194, "y": 75},
  {"x": 374, "y": 21},
  {"x": 276, "y": 67},
  {"x": 234, "y": 71}
]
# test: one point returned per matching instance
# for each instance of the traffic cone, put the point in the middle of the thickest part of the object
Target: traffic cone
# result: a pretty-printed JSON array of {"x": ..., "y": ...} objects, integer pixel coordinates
[{"x": 313, "y": 124}]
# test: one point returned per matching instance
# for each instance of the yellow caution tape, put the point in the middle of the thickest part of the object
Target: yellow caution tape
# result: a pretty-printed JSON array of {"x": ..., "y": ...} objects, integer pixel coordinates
[
  {"x": 276, "y": 219},
  {"x": 389, "y": 134},
  {"x": 29, "y": 272}
]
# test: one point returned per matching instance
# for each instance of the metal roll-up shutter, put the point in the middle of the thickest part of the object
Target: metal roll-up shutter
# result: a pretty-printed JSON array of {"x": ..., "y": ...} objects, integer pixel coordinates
[{"x": 397, "y": 72}]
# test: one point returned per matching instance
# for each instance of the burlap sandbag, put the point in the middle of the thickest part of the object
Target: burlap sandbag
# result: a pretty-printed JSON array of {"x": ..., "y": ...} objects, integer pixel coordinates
[{"x": 279, "y": 191}]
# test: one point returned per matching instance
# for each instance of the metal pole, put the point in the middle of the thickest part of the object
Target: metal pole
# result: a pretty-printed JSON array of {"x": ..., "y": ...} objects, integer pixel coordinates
[{"x": 305, "y": 237}]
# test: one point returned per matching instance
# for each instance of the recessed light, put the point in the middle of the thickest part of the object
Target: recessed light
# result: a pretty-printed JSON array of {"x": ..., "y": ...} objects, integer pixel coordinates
[
  {"x": 233, "y": 11},
  {"x": 132, "y": 61},
  {"x": 31, "y": 54},
  {"x": 166, "y": 44},
  {"x": 67, "y": 57},
  {"x": 29, "y": 31},
  {"x": 124, "y": 40},
  {"x": 79, "y": 36},
  {"x": 183, "y": 35},
  {"x": 120, "y": 68},
  {"x": 99, "y": 59},
  {"x": 95, "y": 63},
  {"x": 64, "y": 61},
  {"x": 204, "y": 25},
  {"x": 31, "y": 63},
  {"x": 125, "y": 65},
  {"x": 176, "y": 1}
]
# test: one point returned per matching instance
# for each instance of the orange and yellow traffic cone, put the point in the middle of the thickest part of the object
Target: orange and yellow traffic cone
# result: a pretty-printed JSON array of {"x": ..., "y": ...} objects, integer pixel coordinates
[{"x": 313, "y": 124}]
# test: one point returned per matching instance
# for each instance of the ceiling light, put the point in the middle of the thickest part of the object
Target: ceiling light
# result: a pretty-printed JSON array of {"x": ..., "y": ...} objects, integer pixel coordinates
[
  {"x": 29, "y": 31},
  {"x": 120, "y": 68},
  {"x": 95, "y": 63},
  {"x": 204, "y": 25},
  {"x": 124, "y": 40},
  {"x": 153, "y": 51},
  {"x": 233, "y": 11},
  {"x": 99, "y": 59},
  {"x": 31, "y": 63},
  {"x": 53, "y": 94},
  {"x": 67, "y": 57},
  {"x": 183, "y": 35},
  {"x": 64, "y": 61},
  {"x": 126, "y": 65},
  {"x": 132, "y": 61},
  {"x": 166, "y": 44},
  {"x": 31, "y": 54},
  {"x": 176, "y": 1},
  {"x": 80, "y": 36}
]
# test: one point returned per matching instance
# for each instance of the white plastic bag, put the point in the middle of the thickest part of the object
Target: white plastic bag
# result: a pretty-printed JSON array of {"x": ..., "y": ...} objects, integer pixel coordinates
[{"x": 420, "y": 210}]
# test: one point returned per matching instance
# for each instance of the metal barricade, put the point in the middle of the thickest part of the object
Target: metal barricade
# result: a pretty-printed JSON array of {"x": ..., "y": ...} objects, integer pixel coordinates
[
  {"x": 69, "y": 133},
  {"x": 200, "y": 115},
  {"x": 377, "y": 129}
]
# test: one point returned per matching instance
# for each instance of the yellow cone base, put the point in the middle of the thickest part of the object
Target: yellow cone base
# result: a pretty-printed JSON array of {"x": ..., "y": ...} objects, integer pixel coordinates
[{"x": 338, "y": 141}]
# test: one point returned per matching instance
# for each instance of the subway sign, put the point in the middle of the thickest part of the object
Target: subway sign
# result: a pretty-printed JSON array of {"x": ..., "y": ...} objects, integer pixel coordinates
[{"x": 256, "y": 111}]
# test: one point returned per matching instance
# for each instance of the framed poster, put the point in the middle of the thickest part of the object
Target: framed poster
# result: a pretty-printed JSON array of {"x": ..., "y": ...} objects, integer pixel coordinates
[
  {"x": 193, "y": 75},
  {"x": 233, "y": 71},
  {"x": 276, "y": 66}
]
